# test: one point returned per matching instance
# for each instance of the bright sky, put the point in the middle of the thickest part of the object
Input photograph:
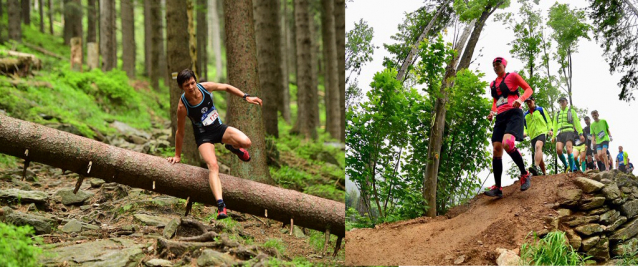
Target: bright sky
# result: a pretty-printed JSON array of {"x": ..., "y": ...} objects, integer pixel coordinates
[{"x": 593, "y": 86}]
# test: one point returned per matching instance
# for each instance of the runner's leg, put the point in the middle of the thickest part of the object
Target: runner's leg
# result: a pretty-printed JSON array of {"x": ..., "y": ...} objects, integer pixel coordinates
[
  {"x": 208, "y": 153},
  {"x": 236, "y": 138}
]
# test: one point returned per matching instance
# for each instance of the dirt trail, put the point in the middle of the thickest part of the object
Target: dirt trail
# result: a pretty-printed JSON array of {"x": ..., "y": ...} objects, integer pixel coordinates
[{"x": 474, "y": 230}]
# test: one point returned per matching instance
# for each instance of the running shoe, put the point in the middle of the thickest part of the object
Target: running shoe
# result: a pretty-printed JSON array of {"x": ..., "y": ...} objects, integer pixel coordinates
[
  {"x": 241, "y": 153},
  {"x": 495, "y": 192},
  {"x": 221, "y": 213},
  {"x": 526, "y": 181},
  {"x": 534, "y": 170}
]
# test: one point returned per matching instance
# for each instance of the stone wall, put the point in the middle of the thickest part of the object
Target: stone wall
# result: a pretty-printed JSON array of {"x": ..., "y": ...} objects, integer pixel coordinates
[{"x": 600, "y": 217}]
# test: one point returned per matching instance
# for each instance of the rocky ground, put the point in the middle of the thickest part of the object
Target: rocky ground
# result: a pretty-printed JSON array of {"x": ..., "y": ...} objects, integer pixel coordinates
[{"x": 108, "y": 224}]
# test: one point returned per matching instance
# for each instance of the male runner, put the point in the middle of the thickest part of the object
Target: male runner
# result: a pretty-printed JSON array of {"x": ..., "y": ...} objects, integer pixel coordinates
[
  {"x": 588, "y": 138},
  {"x": 602, "y": 136},
  {"x": 509, "y": 124},
  {"x": 537, "y": 127},
  {"x": 197, "y": 103},
  {"x": 622, "y": 159},
  {"x": 567, "y": 127}
]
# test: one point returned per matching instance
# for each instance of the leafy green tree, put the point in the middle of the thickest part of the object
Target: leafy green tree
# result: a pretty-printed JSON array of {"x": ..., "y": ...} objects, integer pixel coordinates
[
  {"x": 569, "y": 27},
  {"x": 17, "y": 248},
  {"x": 616, "y": 32},
  {"x": 359, "y": 51}
]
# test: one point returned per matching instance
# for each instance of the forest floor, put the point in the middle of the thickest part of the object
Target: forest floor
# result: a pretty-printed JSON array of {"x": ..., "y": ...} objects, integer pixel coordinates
[{"x": 471, "y": 232}]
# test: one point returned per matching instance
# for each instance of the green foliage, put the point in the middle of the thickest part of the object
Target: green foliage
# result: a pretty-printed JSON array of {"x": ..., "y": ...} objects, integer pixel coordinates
[
  {"x": 8, "y": 162},
  {"x": 472, "y": 9},
  {"x": 230, "y": 225},
  {"x": 552, "y": 250},
  {"x": 275, "y": 243},
  {"x": 18, "y": 247},
  {"x": 318, "y": 239},
  {"x": 290, "y": 178},
  {"x": 629, "y": 257},
  {"x": 359, "y": 51},
  {"x": 354, "y": 220}
]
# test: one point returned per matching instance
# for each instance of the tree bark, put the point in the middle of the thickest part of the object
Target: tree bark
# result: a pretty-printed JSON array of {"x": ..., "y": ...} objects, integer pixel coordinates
[
  {"x": 162, "y": 56},
  {"x": 192, "y": 45},
  {"x": 68, "y": 21},
  {"x": 340, "y": 24},
  {"x": 41, "y": 11},
  {"x": 128, "y": 37},
  {"x": 113, "y": 164},
  {"x": 91, "y": 33},
  {"x": 26, "y": 12},
  {"x": 148, "y": 37},
  {"x": 242, "y": 73},
  {"x": 202, "y": 31},
  {"x": 476, "y": 33},
  {"x": 76, "y": 54},
  {"x": 107, "y": 35},
  {"x": 50, "y": 14},
  {"x": 292, "y": 41},
  {"x": 315, "y": 35},
  {"x": 409, "y": 60},
  {"x": 305, "y": 117},
  {"x": 215, "y": 37},
  {"x": 268, "y": 39},
  {"x": 156, "y": 42},
  {"x": 284, "y": 105},
  {"x": 331, "y": 78},
  {"x": 15, "y": 23},
  {"x": 1, "y": 19},
  {"x": 178, "y": 59},
  {"x": 76, "y": 29}
]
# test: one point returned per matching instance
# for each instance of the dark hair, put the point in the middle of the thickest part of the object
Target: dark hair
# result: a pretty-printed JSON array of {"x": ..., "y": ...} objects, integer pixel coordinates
[
  {"x": 587, "y": 118},
  {"x": 594, "y": 111},
  {"x": 184, "y": 76}
]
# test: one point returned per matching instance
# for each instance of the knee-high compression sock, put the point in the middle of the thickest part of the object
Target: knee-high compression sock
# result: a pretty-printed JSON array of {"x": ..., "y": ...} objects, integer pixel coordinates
[
  {"x": 576, "y": 163},
  {"x": 571, "y": 162},
  {"x": 518, "y": 159},
  {"x": 562, "y": 159},
  {"x": 497, "y": 167}
]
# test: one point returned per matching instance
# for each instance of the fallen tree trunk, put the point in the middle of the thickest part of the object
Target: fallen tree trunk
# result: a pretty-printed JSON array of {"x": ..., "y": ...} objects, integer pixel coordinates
[{"x": 34, "y": 142}]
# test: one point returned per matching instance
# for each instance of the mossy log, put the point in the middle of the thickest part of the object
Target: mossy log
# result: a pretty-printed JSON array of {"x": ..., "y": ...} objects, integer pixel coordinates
[{"x": 71, "y": 152}]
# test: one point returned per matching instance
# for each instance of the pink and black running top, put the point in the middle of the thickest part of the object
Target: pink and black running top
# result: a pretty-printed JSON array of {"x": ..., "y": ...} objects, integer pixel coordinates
[{"x": 505, "y": 91}]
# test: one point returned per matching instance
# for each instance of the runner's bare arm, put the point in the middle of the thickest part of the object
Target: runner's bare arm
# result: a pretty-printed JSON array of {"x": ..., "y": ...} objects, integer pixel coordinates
[
  {"x": 212, "y": 86},
  {"x": 179, "y": 133}
]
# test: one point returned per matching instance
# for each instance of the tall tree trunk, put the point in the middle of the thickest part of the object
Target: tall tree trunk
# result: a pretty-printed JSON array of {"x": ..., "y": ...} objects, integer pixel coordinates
[
  {"x": 268, "y": 39},
  {"x": 26, "y": 12},
  {"x": 162, "y": 57},
  {"x": 41, "y": 9},
  {"x": 242, "y": 73},
  {"x": 113, "y": 164},
  {"x": 315, "y": 67},
  {"x": 192, "y": 45},
  {"x": 128, "y": 37},
  {"x": 107, "y": 35},
  {"x": 76, "y": 29},
  {"x": 179, "y": 59},
  {"x": 476, "y": 33},
  {"x": 215, "y": 36},
  {"x": 284, "y": 105},
  {"x": 91, "y": 32},
  {"x": 156, "y": 42},
  {"x": 50, "y": 14},
  {"x": 292, "y": 41},
  {"x": 333, "y": 117},
  {"x": 1, "y": 19},
  {"x": 305, "y": 117},
  {"x": 68, "y": 21},
  {"x": 340, "y": 24},
  {"x": 14, "y": 13},
  {"x": 148, "y": 37},
  {"x": 202, "y": 32}
]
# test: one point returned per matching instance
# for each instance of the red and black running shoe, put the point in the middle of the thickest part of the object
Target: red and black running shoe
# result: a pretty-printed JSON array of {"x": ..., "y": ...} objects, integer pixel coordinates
[
  {"x": 221, "y": 213},
  {"x": 241, "y": 153},
  {"x": 495, "y": 192},
  {"x": 526, "y": 181}
]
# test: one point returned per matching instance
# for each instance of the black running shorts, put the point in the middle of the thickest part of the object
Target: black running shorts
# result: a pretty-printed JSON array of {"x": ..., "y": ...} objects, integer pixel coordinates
[
  {"x": 566, "y": 136},
  {"x": 211, "y": 135},
  {"x": 509, "y": 122}
]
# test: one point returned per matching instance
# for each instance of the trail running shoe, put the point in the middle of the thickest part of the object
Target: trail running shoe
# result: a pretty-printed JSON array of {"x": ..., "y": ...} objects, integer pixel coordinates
[
  {"x": 241, "y": 153},
  {"x": 221, "y": 213},
  {"x": 495, "y": 192},
  {"x": 534, "y": 170},
  {"x": 526, "y": 181}
]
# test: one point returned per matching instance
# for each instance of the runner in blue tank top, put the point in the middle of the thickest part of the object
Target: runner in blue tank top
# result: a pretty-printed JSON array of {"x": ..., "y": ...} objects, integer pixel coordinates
[{"x": 197, "y": 104}]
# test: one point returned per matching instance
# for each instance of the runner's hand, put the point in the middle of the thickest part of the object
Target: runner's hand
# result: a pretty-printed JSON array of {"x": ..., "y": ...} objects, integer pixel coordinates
[
  {"x": 553, "y": 139},
  {"x": 582, "y": 139},
  {"x": 611, "y": 138},
  {"x": 551, "y": 133},
  {"x": 517, "y": 103},
  {"x": 174, "y": 160},
  {"x": 254, "y": 100},
  {"x": 490, "y": 116}
]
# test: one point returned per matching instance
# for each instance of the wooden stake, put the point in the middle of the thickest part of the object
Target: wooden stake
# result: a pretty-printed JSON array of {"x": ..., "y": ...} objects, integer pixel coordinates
[
  {"x": 26, "y": 164},
  {"x": 291, "y": 226},
  {"x": 337, "y": 247},
  {"x": 88, "y": 169},
  {"x": 325, "y": 245},
  {"x": 153, "y": 185},
  {"x": 266, "y": 213},
  {"x": 78, "y": 184}
]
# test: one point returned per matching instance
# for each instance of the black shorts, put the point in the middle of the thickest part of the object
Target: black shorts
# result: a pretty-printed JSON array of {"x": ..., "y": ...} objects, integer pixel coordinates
[
  {"x": 211, "y": 134},
  {"x": 566, "y": 136},
  {"x": 602, "y": 145},
  {"x": 621, "y": 167},
  {"x": 509, "y": 122}
]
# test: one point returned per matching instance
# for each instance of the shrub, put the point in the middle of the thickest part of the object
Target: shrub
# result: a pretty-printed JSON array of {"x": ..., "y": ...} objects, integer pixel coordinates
[
  {"x": 17, "y": 248},
  {"x": 552, "y": 250}
]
